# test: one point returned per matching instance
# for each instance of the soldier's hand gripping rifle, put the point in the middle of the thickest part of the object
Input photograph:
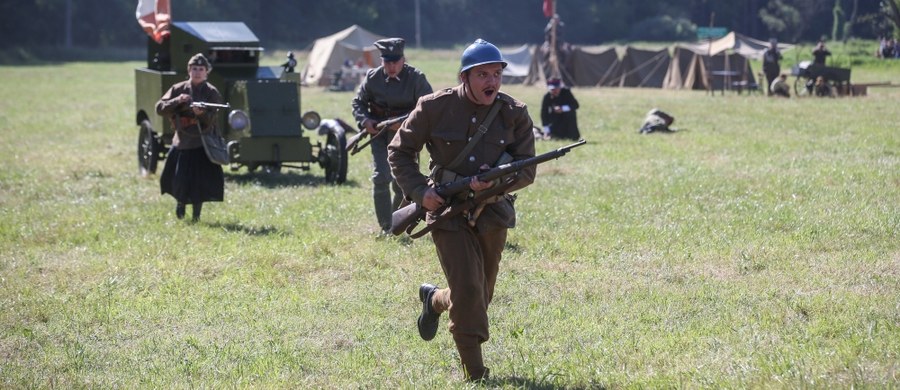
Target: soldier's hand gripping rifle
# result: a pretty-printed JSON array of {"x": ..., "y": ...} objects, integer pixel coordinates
[
  {"x": 353, "y": 145},
  {"x": 406, "y": 219},
  {"x": 206, "y": 106}
]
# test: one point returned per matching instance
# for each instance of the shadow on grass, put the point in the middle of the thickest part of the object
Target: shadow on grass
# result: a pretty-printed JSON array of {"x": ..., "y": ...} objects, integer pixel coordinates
[
  {"x": 524, "y": 383},
  {"x": 283, "y": 179},
  {"x": 237, "y": 227}
]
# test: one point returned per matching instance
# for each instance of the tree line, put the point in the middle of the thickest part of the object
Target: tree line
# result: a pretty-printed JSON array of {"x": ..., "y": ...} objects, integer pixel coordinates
[{"x": 443, "y": 23}]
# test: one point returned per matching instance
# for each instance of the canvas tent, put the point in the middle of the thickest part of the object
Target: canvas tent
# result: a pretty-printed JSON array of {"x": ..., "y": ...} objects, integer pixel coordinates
[
  {"x": 717, "y": 64},
  {"x": 597, "y": 66},
  {"x": 518, "y": 61},
  {"x": 580, "y": 66},
  {"x": 735, "y": 43},
  {"x": 693, "y": 70},
  {"x": 328, "y": 54},
  {"x": 644, "y": 68}
]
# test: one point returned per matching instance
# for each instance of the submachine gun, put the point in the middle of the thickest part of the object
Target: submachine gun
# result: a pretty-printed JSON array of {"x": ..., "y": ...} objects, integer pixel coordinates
[
  {"x": 406, "y": 218},
  {"x": 353, "y": 145}
]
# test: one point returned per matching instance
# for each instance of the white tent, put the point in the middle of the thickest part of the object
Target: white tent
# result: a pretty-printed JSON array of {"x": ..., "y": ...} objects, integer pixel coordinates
[
  {"x": 518, "y": 64},
  {"x": 735, "y": 43},
  {"x": 353, "y": 43}
]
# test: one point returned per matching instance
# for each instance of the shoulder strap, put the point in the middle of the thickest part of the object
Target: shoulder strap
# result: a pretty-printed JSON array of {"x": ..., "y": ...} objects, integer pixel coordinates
[{"x": 482, "y": 128}]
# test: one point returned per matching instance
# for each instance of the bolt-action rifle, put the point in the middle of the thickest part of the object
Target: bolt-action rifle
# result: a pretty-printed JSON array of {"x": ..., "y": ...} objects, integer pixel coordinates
[
  {"x": 353, "y": 145},
  {"x": 406, "y": 218}
]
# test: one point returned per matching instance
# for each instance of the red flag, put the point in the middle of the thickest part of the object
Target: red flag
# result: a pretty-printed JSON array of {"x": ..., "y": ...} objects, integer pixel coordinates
[
  {"x": 548, "y": 8},
  {"x": 154, "y": 17}
]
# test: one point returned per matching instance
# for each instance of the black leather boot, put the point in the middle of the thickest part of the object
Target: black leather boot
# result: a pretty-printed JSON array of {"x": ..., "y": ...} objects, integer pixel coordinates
[
  {"x": 428, "y": 319},
  {"x": 179, "y": 211},
  {"x": 198, "y": 207}
]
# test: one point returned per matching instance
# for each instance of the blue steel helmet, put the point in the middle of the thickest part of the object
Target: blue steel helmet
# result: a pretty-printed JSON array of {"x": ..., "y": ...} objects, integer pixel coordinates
[{"x": 480, "y": 52}]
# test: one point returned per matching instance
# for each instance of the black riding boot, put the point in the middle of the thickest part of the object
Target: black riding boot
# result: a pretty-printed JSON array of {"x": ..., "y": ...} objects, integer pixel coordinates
[
  {"x": 196, "y": 212},
  {"x": 179, "y": 211}
]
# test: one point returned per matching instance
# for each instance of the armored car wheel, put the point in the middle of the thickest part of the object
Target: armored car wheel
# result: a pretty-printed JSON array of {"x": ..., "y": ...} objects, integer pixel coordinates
[
  {"x": 147, "y": 149},
  {"x": 333, "y": 158},
  {"x": 272, "y": 168}
]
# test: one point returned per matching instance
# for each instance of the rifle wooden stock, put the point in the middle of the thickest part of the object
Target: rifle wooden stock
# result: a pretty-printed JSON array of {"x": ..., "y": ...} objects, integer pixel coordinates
[
  {"x": 353, "y": 145},
  {"x": 406, "y": 219}
]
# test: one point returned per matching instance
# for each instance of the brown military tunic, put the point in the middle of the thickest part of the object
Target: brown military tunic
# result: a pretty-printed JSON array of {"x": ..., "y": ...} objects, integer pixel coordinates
[
  {"x": 470, "y": 256},
  {"x": 187, "y": 133}
]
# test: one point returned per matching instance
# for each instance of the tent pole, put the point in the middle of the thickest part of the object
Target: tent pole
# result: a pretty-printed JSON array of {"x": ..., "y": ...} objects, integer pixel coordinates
[{"x": 709, "y": 89}]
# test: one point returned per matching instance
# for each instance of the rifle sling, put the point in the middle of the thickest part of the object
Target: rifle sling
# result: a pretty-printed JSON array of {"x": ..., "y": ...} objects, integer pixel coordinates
[{"x": 482, "y": 128}]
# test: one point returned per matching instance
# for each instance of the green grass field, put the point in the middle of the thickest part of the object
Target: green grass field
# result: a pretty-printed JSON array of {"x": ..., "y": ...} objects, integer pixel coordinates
[{"x": 757, "y": 247}]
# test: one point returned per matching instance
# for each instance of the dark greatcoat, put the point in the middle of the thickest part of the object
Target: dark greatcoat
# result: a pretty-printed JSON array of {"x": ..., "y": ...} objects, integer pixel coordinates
[{"x": 563, "y": 125}]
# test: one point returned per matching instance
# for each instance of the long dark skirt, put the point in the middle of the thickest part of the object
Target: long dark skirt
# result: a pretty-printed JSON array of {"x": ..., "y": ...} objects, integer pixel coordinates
[{"x": 190, "y": 177}]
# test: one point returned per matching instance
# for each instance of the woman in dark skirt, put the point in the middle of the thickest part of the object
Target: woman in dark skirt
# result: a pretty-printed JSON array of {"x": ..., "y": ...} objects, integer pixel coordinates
[{"x": 189, "y": 176}]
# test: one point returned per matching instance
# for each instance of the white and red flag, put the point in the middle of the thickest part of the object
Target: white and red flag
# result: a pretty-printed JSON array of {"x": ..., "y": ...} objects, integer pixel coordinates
[{"x": 154, "y": 17}]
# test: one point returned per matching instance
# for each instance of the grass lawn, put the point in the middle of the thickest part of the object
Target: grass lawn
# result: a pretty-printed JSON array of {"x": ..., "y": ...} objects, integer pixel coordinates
[{"x": 756, "y": 247}]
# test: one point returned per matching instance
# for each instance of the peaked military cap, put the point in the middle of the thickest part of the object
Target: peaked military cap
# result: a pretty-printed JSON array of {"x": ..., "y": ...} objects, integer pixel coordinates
[
  {"x": 391, "y": 48},
  {"x": 199, "y": 59}
]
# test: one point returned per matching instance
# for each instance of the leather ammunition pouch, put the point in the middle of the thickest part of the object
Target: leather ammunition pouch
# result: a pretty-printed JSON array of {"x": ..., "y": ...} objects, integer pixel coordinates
[{"x": 381, "y": 113}]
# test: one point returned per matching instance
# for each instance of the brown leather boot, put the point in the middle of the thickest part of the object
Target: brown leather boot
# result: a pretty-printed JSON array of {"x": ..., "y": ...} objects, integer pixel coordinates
[{"x": 473, "y": 365}]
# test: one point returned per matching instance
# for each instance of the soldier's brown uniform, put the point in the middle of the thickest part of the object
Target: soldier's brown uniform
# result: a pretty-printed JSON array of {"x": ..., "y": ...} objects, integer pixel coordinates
[
  {"x": 187, "y": 132},
  {"x": 470, "y": 256}
]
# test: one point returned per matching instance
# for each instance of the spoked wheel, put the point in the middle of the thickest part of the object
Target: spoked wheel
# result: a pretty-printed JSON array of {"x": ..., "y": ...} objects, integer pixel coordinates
[
  {"x": 333, "y": 158},
  {"x": 148, "y": 149},
  {"x": 801, "y": 88}
]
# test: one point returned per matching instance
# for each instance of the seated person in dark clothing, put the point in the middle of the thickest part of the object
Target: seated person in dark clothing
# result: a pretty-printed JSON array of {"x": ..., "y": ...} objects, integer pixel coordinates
[
  {"x": 819, "y": 53},
  {"x": 558, "y": 112},
  {"x": 822, "y": 88}
]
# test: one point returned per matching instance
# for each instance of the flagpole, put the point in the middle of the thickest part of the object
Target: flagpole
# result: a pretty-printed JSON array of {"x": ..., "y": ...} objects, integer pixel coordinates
[{"x": 554, "y": 59}]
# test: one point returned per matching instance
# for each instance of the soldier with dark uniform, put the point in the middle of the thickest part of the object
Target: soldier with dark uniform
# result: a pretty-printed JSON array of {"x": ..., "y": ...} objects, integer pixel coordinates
[
  {"x": 387, "y": 91},
  {"x": 189, "y": 176},
  {"x": 290, "y": 64},
  {"x": 771, "y": 67},
  {"x": 469, "y": 247}
]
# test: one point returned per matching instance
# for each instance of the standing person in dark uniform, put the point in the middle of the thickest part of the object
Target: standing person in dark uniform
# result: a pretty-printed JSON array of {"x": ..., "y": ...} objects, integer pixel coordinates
[
  {"x": 819, "y": 53},
  {"x": 189, "y": 176},
  {"x": 558, "y": 112},
  {"x": 771, "y": 67},
  {"x": 290, "y": 64},
  {"x": 468, "y": 247},
  {"x": 387, "y": 91}
]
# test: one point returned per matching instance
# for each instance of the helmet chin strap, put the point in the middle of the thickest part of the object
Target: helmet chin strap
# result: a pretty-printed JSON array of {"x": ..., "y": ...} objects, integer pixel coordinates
[{"x": 468, "y": 90}]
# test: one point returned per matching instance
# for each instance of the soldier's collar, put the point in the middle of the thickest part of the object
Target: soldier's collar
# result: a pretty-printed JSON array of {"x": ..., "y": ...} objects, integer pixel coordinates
[{"x": 399, "y": 76}]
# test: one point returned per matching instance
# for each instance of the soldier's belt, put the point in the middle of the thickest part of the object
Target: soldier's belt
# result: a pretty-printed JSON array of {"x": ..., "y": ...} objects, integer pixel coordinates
[{"x": 187, "y": 122}]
